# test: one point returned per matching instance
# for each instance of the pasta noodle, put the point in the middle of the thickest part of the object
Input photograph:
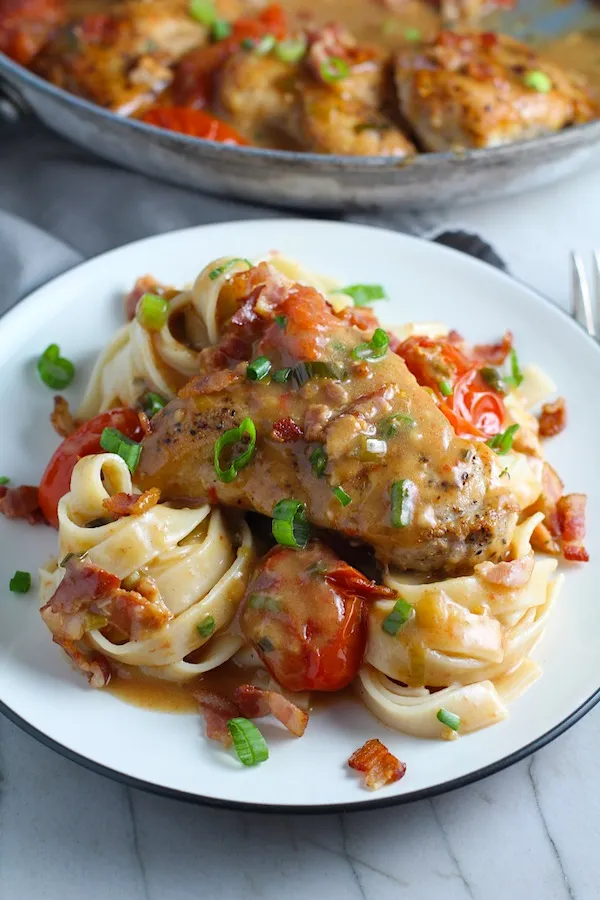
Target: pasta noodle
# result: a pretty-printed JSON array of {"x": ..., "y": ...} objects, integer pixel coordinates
[{"x": 187, "y": 553}]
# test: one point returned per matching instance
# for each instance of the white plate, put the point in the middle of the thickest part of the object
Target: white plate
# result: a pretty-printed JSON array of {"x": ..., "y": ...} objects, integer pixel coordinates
[{"x": 168, "y": 753}]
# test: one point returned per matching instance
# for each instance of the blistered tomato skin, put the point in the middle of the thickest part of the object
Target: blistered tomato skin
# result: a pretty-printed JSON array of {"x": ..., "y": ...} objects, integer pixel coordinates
[{"x": 303, "y": 613}]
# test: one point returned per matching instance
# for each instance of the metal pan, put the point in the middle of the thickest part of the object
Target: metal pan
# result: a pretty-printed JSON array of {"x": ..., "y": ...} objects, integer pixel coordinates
[{"x": 304, "y": 180}]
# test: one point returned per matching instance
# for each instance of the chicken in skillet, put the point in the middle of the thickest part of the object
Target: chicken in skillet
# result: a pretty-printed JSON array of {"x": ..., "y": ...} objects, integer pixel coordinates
[
  {"x": 26, "y": 25},
  {"x": 341, "y": 425},
  {"x": 483, "y": 90}
]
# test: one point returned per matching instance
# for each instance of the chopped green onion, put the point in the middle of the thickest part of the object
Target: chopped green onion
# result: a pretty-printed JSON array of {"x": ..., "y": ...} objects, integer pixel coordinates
[
  {"x": 390, "y": 426},
  {"x": 402, "y": 502},
  {"x": 537, "y": 81},
  {"x": 281, "y": 321},
  {"x": 221, "y": 29},
  {"x": 451, "y": 720},
  {"x": 226, "y": 266},
  {"x": 515, "y": 378},
  {"x": 334, "y": 69},
  {"x": 152, "y": 312},
  {"x": 20, "y": 583},
  {"x": 153, "y": 403},
  {"x": 232, "y": 436},
  {"x": 363, "y": 294},
  {"x": 203, "y": 11},
  {"x": 265, "y": 44},
  {"x": 344, "y": 498},
  {"x": 370, "y": 449},
  {"x": 247, "y": 44},
  {"x": 55, "y": 371},
  {"x": 445, "y": 388},
  {"x": 263, "y": 601},
  {"x": 412, "y": 34},
  {"x": 493, "y": 377},
  {"x": 265, "y": 644},
  {"x": 318, "y": 461},
  {"x": 258, "y": 369},
  {"x": 248, "y": 742},
  {"x": 503, "y": 441},
  {"x": 282, "y": 375},
  {"x": 374, "y": 349},
  {"x": 114, "y": 441},
  {"x": 400, "y": 614},
  {"x": 389, "y": 26},
  {"x": 206, "y": 626},
  {"x": 291, "y": 50},
  {"x": 304, "y": 371},
  {"x": 4, "y": 480},
  {"x": 289, "y": 525}
]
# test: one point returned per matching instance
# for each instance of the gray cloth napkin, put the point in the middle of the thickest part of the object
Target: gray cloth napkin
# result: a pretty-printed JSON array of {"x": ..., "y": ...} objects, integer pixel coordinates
[{"x": 60, "y": 204}]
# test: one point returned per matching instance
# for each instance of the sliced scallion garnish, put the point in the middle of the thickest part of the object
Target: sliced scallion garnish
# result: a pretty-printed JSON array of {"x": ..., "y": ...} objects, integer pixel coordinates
[
  {"x": 203, "y": 11},
  {"x": 206, "y": 626},
  {"x": 266, "y": 645},
  {"x": 493, "y": 377},
  {"x": 246, "y": 428},
  {"x": 221, "y": 29},
  {"x": 451, "y": 720},
  {"x": 281, "y": 321},
  {"x": 516, "y": 375},
  {"x": 318, "y": 461},
  {"x": 152, "y": 403},
  {"x": 344, "y": 498},
  {"x": 412, "y": 34},
  {"x": 304, "y": 371},
  {"x": 537, "y": 81},
  {"x": 263, "y": 601},
  {"x": 334, "y": 69},
  {"x": 289, "y": 525},
  {"x": 258, "y": 369},
  {"x": 374, "y": 349},
  {"x": 114, "y": 441},
  {"x": 282, "y": 375},
  {"x": 20, "y": 583},
  {"x": 400, "y": 614},
  {"x": 152, "y": 312},
  {"x": 390, "y": 426},
  {"x": 220, "y": 270},
  {"x": 402, "y": 497},
  {"x": 291, "y": 50},
  {"x": 248, "y": 743},
  {"x": 265, "y": 44},
  {"x": 503, "y": 441},
  {"x": 445, "y": 388},
  {"x": 55, "y": 371},
  {"x": 364, "y": 294},
  {"x": 4, "y": 480}
]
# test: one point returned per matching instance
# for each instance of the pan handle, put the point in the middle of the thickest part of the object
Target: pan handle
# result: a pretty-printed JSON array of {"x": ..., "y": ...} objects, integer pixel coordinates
[{"x": 12, "y": 104}]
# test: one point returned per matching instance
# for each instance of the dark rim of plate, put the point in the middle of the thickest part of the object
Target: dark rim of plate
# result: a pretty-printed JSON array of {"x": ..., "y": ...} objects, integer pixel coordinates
[{"x": 358, "y": 805}]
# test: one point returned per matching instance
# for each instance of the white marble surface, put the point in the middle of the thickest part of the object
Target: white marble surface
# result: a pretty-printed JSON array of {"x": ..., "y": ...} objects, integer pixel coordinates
[{"x": 529, "y": 833}]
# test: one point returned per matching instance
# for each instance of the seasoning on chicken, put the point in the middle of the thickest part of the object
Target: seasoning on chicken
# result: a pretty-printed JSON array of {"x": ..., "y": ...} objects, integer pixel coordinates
[
  {"x": 484, "y": 90},
  {"x": 384, "y": 466}
]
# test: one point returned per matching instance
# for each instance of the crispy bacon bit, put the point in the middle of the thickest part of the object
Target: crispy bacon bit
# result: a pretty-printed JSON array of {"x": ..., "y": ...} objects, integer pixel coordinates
[
  {"x": 514, "y": 573},
  {"x": 145, "y": 424},
  {"x": 286, "y": 430},
  {"x": 213, "y": 383},
  {"x": 146, "y": 284},
  {"x": 571, "y": 517},
  {"x": 217, "y": 711},
  {"x": 254, "y": 703},
  {"x": 455, "y": 337},
  {"x": 493, "y": 354},
  {"x": 553, "y": 418},
  {"x": 123, "y": 504},
  {"x": 21, "y": 503},
  {"x": 62, "y": 419},
  {"x": 552, "y": 488},
  {"x": 362, "y": 317},
  {"x": 351, "y": 581},
  {"x": 379, "y": 765},
  {"x": 542, "y": 540}
]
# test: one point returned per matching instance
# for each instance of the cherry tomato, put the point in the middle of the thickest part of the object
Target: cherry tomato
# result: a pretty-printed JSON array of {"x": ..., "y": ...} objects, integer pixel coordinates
[
  {"x": 303, "y": 612},
  {"x": 56, "y": 480},
  {"x": 194, "y": 122}
]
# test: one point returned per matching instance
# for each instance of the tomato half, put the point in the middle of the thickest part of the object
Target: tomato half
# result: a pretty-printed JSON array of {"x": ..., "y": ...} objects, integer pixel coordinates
[
  {"x": 56, "y": 480},
  {"x": 194, "y": 122}
]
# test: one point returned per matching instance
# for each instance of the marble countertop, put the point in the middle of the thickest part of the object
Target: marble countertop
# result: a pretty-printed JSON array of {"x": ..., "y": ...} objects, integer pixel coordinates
[{"x": 528, "y": 833}]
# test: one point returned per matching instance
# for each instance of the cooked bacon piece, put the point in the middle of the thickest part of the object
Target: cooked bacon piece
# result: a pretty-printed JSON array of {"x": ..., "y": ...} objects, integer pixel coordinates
[
  {"x": 144, "y": 422},
  {"x": 493, "y": 354},
  {"x": 286, "y": 430},
  {"x": 361, "y": 316},
  {"x": 553, "y": 418},
  {"x": 62, "y": 419},
  {"x": 123, "y": 504},
  {"x": 542, "y": 540},
  {"x": 571, "y": 517},
  {"x": 217, "y": 711},
  {"x": 146, "y": 284},
  {"x": 379, "y": 765},
  {"x": 213, "y": 383},
  {"x": 514, "y": 573},
  {"x": 94, "y": 665},
  {"x": 254, "y": 703},
  {"x": 86, "y": 589},
  {"x": 350, "y": 581},
  {"x": 552, "y": 489},
  {"x": 21, "y": 503}
]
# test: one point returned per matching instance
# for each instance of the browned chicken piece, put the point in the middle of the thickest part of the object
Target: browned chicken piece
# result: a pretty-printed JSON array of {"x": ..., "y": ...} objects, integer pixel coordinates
[
  {"x": 257, "y": 92},
  {"x": 343, "y": 428},
  {"x": 484, "y": 90},
  {"x": 121, "y": 60}
]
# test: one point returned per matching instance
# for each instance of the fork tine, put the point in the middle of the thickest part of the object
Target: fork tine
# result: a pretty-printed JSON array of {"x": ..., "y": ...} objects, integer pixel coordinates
[{"x": 581, "y": 304}]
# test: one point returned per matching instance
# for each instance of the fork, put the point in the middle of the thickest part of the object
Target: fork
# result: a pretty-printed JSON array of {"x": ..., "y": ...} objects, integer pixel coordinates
[{"x": 585, "y": 299}]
